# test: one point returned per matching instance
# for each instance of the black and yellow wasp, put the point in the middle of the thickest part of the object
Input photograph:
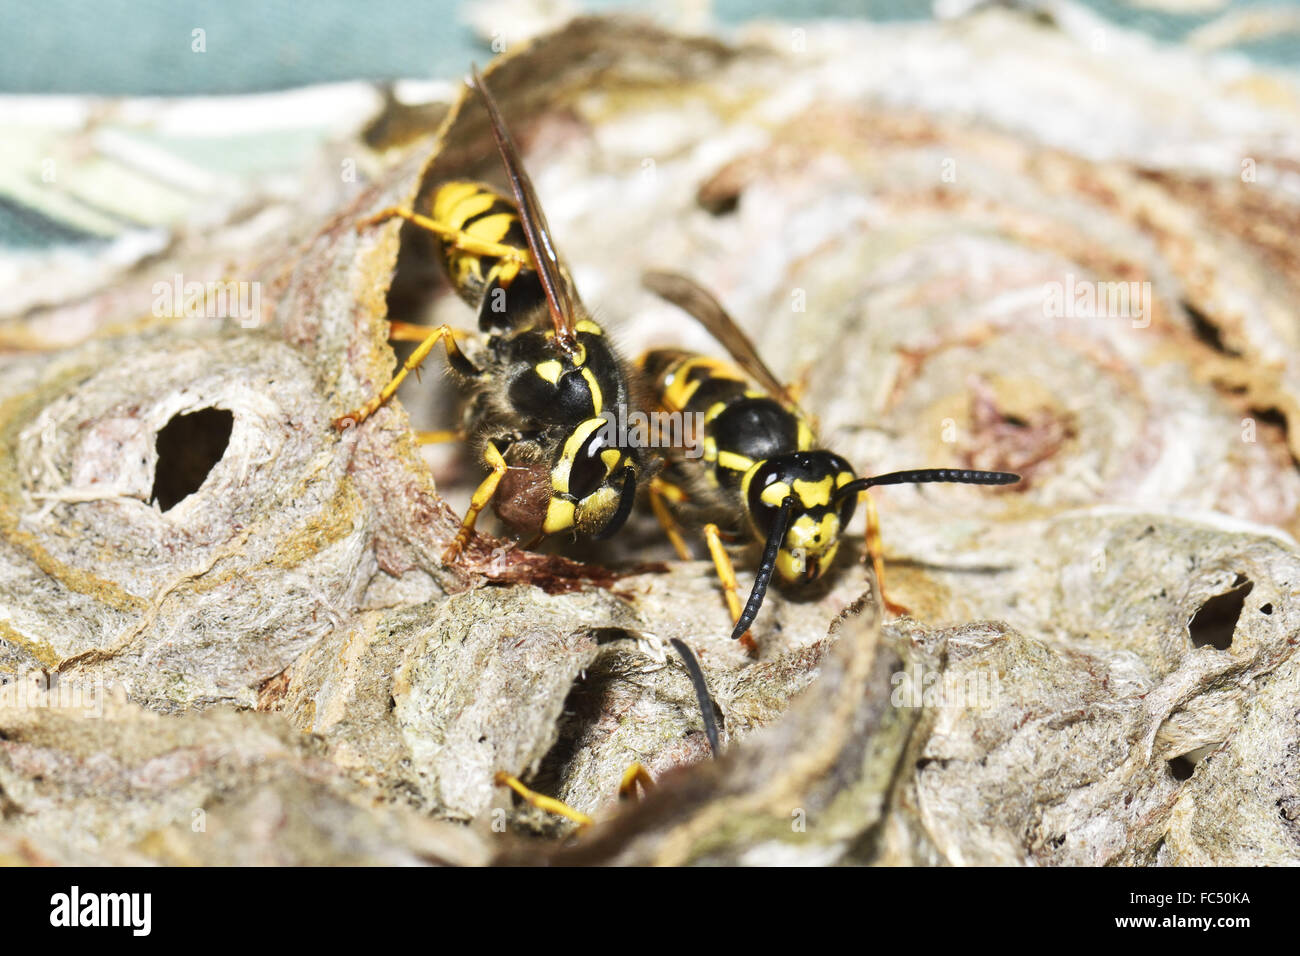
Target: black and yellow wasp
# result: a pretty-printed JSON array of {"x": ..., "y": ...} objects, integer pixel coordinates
[
  {"x": 538, "y": 409},
  {"x": 761, "y": 471},
  {"x": 534, "y": 408}
]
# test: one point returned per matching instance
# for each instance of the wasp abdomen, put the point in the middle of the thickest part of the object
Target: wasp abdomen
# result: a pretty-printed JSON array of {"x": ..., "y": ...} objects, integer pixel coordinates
[
  {"x": 742, "y": 425},
  {"x": 755, "y": 428},
  {"x": 481, "y": 213}
]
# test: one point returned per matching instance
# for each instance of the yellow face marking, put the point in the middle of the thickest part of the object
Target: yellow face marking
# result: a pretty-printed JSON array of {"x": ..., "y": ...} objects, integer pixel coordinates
[
  {"x": 813, "y": 535},
  {"x": 611, "y": 457},
  {"x": 560, "y": 473},
  {"x": 734, "y": 462},
  {"x": 775, "y": 493},
  {"x": 790, "y": 565},
  {"x": 597, "y": 399},
  {"x": 843, "y": 478},
  {"x": 809, "y": 545},
  {"x": 813, "y": 493},
  {"x": 588, "y": 326},
  {"x": 805, "y": 436},
  {"x": 793, "y": 566},
  {"x": 559, "y": 515},
  {"x": 549, "y": 370}
]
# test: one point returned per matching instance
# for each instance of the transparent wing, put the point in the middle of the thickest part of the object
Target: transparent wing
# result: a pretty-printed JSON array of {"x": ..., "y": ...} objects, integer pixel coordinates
[
  {"x": 536, "y": 231},
  {"x": 696, "y": 301}
]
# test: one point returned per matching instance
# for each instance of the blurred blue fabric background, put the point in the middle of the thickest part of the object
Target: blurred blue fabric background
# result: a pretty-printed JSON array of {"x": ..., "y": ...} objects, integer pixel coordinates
[
  {"x": 144, "y": 46},
  {"x": 124, "y": 48}
]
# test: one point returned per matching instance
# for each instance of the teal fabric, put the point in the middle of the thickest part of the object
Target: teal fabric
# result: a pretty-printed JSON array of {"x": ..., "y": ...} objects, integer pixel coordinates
[
  {"x": 134, "y": 47},
  {"x": 173, "y": 47}
]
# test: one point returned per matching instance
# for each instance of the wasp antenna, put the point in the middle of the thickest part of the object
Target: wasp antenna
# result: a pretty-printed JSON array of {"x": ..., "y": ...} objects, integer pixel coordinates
[
  {"x": 701, "y": 694},
  {"x": 765, "y": 568},
  {"x": 923, "y": 476}
]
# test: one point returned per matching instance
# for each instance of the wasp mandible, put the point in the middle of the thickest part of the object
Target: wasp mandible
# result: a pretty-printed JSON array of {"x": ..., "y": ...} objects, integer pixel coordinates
[
  {"x": 761, "y": 469},
  {"x": 534, "y": 409}
]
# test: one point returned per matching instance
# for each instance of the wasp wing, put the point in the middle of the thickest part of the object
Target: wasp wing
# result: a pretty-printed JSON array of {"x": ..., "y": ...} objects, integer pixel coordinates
[
  {"x": 558, "y": 296},
  {"x": 696, "y": 301}
]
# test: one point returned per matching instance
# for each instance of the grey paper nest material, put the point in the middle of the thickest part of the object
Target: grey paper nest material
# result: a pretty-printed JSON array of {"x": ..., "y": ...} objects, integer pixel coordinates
[{"x": 1100, "y": 667}]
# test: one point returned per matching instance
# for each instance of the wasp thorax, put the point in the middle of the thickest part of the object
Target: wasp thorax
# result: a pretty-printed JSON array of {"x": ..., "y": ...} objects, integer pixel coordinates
[
  {"x": 812, "y": 479},
  {"x": 593, "y": 482}
]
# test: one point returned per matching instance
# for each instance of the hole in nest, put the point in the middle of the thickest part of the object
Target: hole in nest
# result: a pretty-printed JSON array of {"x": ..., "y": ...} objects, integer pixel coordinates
[
  {"x": 1213, "y": 624},
  {"x": 721, "y": 205},
  {"x": 1183, "y": 765},
  {"x": 188, "y": 447},
  {"x": 1206, "y": 330}
]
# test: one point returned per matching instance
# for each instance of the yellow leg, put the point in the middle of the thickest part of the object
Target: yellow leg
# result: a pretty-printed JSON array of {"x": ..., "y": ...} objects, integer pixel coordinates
[
  {"x": 442, "y": 333},
  {"x": 876, "y": 550},
  {"x": 478, "y": 502},
  {"x": 451, "y": 235},
  {"x": 549, "y": 804},
  {"x": 727, "y": 575},
  {"x": 631, "y": 777},
  {"x": 407, "y": 332},
  {"x": 439, "y": 437},
  {"x": 661, "y": 492}
]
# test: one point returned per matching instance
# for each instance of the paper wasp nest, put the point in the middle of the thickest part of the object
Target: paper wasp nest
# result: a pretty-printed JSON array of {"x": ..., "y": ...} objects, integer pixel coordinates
[{"x": 961, "y": 271}]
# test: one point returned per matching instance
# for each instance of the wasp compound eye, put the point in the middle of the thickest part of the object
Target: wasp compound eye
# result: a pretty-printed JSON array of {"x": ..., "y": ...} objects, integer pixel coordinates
[
  {"x": 762, "y": 513},
  {"x": 848, "y": 506},
  {"x": 589, "y": 469}
]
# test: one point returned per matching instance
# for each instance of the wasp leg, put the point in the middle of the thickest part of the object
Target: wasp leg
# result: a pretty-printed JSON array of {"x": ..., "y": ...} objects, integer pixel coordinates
[
  {"x": 875, "y": 548},
  {"x": 439, "y": 437},
  {"x": 484, "y": 493},
  {"x": 727, "y": 575},
  {"x": 450, "y": 234},
  {"x": 662, "y": 492},
  {"x": 444, "y": 334},
  {"x": 549, "y": 804},
  {"x": 631, "y": 777},
  {"x": 407, "y": 332}
]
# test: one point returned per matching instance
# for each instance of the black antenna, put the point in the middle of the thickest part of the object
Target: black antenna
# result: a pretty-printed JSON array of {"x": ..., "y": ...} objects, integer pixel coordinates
[
  {"x": 701, "y": 694},
  {"x": 765, "y": 567},
  {"x": 925, "y": 475}
]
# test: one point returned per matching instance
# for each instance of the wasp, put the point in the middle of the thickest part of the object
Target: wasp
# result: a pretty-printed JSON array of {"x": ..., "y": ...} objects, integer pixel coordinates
[
  {"x": 535, "y": 405},
  {"x": 761, "y": 470},
  {"x": 539, "y": 405}
]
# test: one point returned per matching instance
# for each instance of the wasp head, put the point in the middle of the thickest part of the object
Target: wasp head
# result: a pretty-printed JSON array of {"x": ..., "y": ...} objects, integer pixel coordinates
[
  {"x": 817, "y": 517},
  {"x": 593, "y": 481}
]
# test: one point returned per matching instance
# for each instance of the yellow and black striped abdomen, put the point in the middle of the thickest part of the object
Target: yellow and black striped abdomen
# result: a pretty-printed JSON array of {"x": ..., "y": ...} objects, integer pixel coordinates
[
  {"x": 742, "y": 425},
  {"x": 481, "y": 213}
]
